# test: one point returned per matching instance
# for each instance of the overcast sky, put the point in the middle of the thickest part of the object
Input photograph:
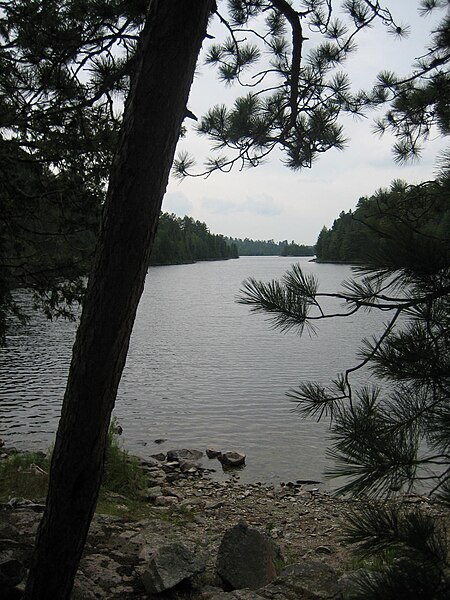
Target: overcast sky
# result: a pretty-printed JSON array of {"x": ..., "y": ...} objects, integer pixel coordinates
[{"x": 271, "y": 201}]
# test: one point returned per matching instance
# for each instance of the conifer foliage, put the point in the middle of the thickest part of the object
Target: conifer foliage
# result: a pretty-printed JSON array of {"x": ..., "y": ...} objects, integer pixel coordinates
[
  {"x": 391, "y": 437},
  {"x": 65, "y": 67}
]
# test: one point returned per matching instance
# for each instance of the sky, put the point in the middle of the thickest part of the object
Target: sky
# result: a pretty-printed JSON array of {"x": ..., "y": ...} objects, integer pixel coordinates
[{"x": 273, "y": 202}]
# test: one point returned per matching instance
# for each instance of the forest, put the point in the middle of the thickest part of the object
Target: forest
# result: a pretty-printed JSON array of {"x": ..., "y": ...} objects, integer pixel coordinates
[
  {"x": 247, "y": 247},
  {"x": 183, "y": 240},
  {"x": 365, "y": 234},
  {"x": 67, "y": 67}
]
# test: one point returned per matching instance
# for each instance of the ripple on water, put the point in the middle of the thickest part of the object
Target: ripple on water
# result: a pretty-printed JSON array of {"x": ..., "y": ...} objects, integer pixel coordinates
[{"x": 201, "y": 370}]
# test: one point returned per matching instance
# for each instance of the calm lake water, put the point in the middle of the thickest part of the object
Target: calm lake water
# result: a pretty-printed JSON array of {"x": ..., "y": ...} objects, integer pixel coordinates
[{"x": 201, "y": 371}]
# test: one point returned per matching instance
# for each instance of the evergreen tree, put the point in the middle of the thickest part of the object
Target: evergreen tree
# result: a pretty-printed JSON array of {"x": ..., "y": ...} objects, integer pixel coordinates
[
  {"x": 393, "y": 436},
  {"x": 62, "y": 65},
  {"x": 183, "y": 240}
]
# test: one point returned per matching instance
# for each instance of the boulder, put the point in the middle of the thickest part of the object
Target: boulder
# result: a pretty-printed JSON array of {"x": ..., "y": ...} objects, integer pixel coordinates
[
  {"x": 151, "y": 462},
  {"x": 11, "y": 573},
  {"x": 246, "y": 558},
  {"x": 212, "y": 452},
  {"x": 168, "y": 566},
  {"x": 153, "y": 492},
  {"x": 231, "y": 459},
  {"x": 311, "y": 580},
  {"x": 12, "y": 570},
  {"x": 166, "y": 501},
  {"x": 159, "y": 456},
  {"x": 188, "y": 466},
  {"x": 184, "y": 454}
]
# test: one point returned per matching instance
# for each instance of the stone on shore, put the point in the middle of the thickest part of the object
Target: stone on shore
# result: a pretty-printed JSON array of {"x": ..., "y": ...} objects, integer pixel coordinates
[
  {"x": 213, "y": 452},
  {"x": 184, "y": 454},
  {"x": 168, "y": 566},
  {"x": 310, "y": 580},
  {"x": 246, "y": 558},
  {"x": 232, "y": 459}
]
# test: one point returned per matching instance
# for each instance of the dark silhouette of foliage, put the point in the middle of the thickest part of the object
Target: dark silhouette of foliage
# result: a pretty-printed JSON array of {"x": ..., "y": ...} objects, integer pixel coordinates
[
  {"x": 371, "y": 233},
  {"x": 247, "y": 247},
  {"x": 183, "y": 240},
  {"x": 391, "y": 437},
  {"x": 64, "y": 64}
]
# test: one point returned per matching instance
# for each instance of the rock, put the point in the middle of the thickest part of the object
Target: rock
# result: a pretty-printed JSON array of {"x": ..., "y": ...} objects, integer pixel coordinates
[
  {"x": 169, "y": 565},
  {"x": 12, "y": 571},
  {"x": 148, "y": 463},
  {"x": 323, "y": 550},
  {"x": 102, "y": 570},
  {"x": 117, "y": 429},
  {"x": 246, "y": 558},
  {"x": 166, "y": 491},
  {"x": 310, "y": 579},
  {"x": 238, "y": 595},
  {"x": 160, "y": 456},
  {"x": 232, "y": 459},
  {"x": 187, "y": 466},
  {"x": 212, "y": 452},
  {"x": 166, "y": 501},
  {"x": 184, "y": 454},
  {"x": 154, "y": 492}
]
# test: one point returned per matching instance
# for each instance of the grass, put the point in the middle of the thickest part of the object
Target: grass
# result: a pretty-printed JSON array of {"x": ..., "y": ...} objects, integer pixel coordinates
[
  {"x": 372, "y": 563},
  {"x": 123, "y": 474},
  {"x": 25, "y": 475}
]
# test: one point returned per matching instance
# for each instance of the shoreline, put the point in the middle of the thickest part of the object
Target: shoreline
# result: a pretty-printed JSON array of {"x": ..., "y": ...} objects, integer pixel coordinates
[{"x": 184, "y": 505}]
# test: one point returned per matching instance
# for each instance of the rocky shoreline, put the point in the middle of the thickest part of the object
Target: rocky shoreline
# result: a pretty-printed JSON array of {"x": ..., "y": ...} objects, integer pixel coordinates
[{"x": 191, "y": 510}]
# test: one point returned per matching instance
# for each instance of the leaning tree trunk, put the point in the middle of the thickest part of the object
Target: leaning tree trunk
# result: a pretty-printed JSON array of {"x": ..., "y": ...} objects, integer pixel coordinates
[{"x": 169, "y": 47}]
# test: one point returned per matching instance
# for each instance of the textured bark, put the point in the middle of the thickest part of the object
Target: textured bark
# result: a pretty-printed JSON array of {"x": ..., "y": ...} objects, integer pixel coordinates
[{"x": 168, "y": 52}]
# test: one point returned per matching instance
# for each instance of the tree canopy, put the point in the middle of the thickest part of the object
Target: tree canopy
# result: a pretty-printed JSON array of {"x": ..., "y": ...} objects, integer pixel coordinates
[
  {"x": 366, "y": 235},
  {"x": 181, "y": 240},
  {"x": 248, "y": 247}
]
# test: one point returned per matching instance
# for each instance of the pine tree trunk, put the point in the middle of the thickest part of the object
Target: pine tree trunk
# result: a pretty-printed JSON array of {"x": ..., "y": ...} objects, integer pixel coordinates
[{"x": 155, "y": 109}]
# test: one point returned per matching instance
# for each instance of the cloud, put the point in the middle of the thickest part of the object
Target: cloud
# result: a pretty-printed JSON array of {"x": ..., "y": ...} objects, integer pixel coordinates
[
  {"x": 219, "y": 206},
  {"x": 178, "y": 203},
  {"x": 263, "y": 206}
]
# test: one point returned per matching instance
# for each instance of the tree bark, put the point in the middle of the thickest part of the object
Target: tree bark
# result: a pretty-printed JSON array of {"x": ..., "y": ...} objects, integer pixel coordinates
[{"x": 169, "y": 47}]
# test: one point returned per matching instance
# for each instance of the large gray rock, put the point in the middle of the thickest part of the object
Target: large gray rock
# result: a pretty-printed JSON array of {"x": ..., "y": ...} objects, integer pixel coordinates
[
  {"x": 246, "y": 558},
  {"x": 11, "y": 573},
  {"x": 169, "y": 565},
  {"x": 232, "y": 459},
  {"x": 311, "y": 580},
  {"x": 184, "y": 454}
]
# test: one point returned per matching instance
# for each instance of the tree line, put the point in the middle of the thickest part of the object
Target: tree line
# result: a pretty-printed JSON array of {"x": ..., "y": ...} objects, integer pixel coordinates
[
  {"x": 365, "y": 234},
  {"x": 65, "y": 67},
  {"x": 183, "y": 240},
  {"x": 248, "y": 247}
]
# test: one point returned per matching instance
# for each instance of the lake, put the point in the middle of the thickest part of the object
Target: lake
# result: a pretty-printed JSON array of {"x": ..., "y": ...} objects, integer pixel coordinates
[{"x": 201, "y": 370}]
